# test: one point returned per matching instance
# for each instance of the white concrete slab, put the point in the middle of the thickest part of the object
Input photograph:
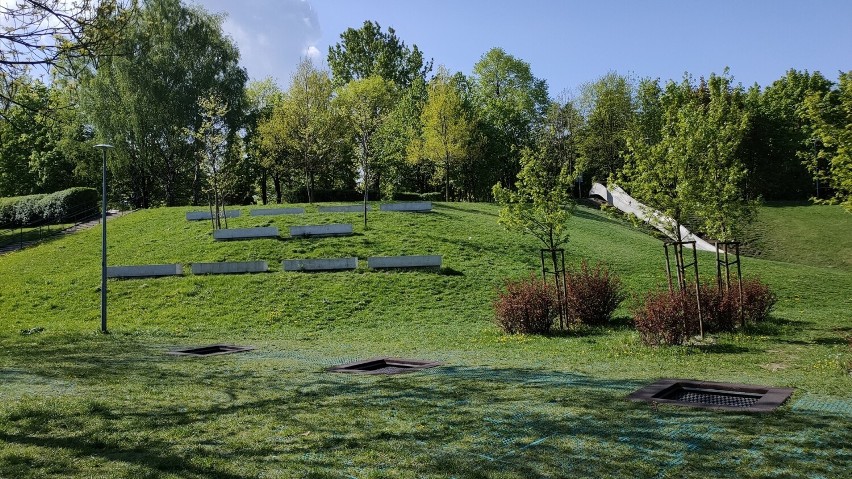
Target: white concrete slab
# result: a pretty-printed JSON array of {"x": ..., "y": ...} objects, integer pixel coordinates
[
  {"x": 144, "y": 271},
  {"x": 321, "y": 230},
  {"x": 246, "y": 233},
  {"x": 277, "y": 211},
  {"x": 205, "y": 215},
  {"x": 320, "y": 264},
  {"x": 343, "y": 209},
  {"x": 429, "y": 261},
  {"x": 619, "y": 198},
  {"x": 230, "y": 267},
  {"x": 415, "y": 206}
]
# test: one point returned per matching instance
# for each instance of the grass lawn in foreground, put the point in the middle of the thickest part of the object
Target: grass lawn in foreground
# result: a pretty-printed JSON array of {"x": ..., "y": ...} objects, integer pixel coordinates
[{"x": 79, "y": 404}]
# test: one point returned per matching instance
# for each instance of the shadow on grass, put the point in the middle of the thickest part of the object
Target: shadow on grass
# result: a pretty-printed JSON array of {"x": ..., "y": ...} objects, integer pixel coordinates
[{"x": 447, "y": 421}]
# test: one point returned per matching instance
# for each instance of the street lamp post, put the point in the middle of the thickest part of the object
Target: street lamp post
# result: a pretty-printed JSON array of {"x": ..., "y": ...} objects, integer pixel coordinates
[{"x": 104, "y": 147}]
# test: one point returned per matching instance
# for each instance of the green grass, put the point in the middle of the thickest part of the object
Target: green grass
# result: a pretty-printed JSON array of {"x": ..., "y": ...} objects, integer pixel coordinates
[
  {"x": 803, "y": 234},
  {"x": 23, "y": 235},
  {"x": 76, "y": 403}
]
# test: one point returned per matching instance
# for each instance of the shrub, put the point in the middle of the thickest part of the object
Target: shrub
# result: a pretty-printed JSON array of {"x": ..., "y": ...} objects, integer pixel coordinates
[
  {"x": 666, "y": 317},
  {"x": 758, "y": 300},
  {"x": 526, "y": 306},
  {"x": 672, "y": 317},
  {"x": 54, "y": 207},
  {"x": 69, "y": 204},
  {"x": 718, "y": 308},
  {"x": 592, "y": 294}
]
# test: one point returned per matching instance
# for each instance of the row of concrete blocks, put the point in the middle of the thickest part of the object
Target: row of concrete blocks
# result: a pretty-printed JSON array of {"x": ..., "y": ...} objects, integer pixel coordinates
[
  {"x": 236, "y": 267},
  {"x": 272, "y": 231},
  {"x": 421, "y": 206}
]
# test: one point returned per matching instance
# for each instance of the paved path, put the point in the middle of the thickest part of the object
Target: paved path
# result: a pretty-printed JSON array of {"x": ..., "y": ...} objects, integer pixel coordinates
[{"x": 15, "y": 246}]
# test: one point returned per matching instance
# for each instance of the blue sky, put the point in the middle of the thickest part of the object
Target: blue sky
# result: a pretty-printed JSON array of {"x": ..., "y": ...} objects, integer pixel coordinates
[{"x": 567, "y": 43}]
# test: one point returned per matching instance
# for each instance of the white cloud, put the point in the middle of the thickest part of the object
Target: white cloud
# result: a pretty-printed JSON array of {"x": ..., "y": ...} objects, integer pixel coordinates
[
  {"x": 312, "y": 52},
  {"x": 272, "y": 35}
]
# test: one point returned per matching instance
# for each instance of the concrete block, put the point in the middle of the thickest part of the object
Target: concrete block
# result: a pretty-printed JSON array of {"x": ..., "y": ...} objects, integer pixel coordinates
[
  {"x": 246, "y": 233},
  {"x": 322, "y": 230},
  {"x": 277, "y": 211},
  {"x": 416, "y": 206},
  {"x": 144, "y": 271},
  {"x": 343, "y": 209},
  {"x": 205, "y": 215},
  {"x": 430, "y": 261},
  {"x": 321, "y": 264},
  {"x": 230, "y": 267}
]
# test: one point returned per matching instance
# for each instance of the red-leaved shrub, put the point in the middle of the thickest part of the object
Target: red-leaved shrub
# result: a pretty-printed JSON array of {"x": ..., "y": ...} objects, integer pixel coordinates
[
  {"x": 527, "y": 306},
  {"x": 758, "y": 300},
  {"x": 666, "y": 317},
  {"x": 592, "y": 294},
  {"x": 672, "y": 317}
]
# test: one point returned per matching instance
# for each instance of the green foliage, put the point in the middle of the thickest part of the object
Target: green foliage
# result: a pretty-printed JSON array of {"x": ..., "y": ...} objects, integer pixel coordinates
[
  {"x": 47, "y": 208},
  {"x": 608, "y": 102},
  {"x": 780, "y": 145},
  {"x": 447, "y": 129},
  {"x": 693, "y": 170},
  {"x": 831, "y": 114},
  {"x": 368, "y": 51},
  {"x": 541, "y": 203},
  {"x": 363, "y": 105},
  {"x": 510, "y": 101},
  {"x": 142, "y": 103}
]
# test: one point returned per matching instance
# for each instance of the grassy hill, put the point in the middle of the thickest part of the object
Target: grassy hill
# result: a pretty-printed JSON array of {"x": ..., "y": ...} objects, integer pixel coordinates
[
  {"x": 78, "y": 403},
  {"x": 803, "y": 234}
]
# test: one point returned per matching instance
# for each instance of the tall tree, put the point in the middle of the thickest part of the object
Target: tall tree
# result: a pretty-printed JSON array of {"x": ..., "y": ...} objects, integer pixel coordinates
[
  {"x": 447, "y": 130},
  {"x": 363, "y": 105},
  {"x": 780, "y": 147},
  {"x": 831, "y": 114},
  {"x": 145, "y": 101},
  {"x": 609, "y": 107},
  {"x": 309, "y": 120},
  {"x": 510, "y": 101},
  {"x": 368, "y": 51},
  {"x": 261, "y": 96},
  {"x": 398, "y": 153}
]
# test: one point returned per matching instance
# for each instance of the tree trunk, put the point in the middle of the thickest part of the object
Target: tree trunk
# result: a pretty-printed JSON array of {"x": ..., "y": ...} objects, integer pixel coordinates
[
  {"x": 264, "y": 194},
  {"x": 276, "y": 183}
]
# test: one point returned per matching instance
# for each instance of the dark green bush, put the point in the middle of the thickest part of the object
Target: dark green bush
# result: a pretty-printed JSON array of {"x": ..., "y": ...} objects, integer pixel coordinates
[
  {"x": 69, "y": 204},
  {"x": 61, "y": 206}
]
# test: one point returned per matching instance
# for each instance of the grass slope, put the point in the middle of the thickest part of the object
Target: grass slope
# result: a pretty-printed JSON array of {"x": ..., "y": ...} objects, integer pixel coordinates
[
  {"x": 79, "y": 404},
  {"x": 803, "y": 234}
]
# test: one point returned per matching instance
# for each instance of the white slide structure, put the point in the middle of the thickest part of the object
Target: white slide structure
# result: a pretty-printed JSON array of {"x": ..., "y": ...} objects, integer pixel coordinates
[{"x": 626, "y": 203}]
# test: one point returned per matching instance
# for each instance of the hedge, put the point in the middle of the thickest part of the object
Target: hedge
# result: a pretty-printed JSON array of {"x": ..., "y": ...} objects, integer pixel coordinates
[{"x": 56, "y": 207}]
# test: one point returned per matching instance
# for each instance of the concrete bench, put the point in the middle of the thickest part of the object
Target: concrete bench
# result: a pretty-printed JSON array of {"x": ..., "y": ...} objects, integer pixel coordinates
[
  {"x": 144, "y": 271},
  {"x": 343, "y": 209},
  {"x": 321, "y": 230},
  {"x": 246, "y": 233},
  {"x": 230, "y": 267},
  {"x": 417, "y": 206},
  {"x": 321, "y": 264},
  {"x": 277, "y": 211},
  {"x": 205, "y": 215},
  {"x": 380, "y": 262}
]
